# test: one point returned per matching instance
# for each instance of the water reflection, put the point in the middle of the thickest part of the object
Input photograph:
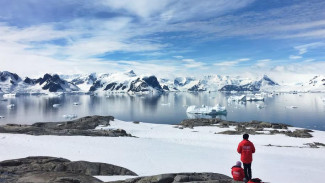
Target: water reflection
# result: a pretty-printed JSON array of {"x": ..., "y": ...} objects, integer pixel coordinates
[{"x": 167, "y": 108}]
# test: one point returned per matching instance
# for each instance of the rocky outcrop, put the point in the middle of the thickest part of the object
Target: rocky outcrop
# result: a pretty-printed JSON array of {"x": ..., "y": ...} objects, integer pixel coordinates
[
  {"x": 181, "y": 177},
  {"x": 84, "y": 126},
  {"x": 253, "y": 127},
  {"x": 51, "y": 169}
]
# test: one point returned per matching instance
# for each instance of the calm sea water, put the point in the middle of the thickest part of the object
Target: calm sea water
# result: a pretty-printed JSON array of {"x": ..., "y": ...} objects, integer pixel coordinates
[{"x": 166, "y": 109}]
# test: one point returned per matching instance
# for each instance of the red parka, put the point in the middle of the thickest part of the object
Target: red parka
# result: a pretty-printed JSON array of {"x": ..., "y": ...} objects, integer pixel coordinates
[
  {"x": 246, "y": 149},
  {"x": 237, "y": 173}
]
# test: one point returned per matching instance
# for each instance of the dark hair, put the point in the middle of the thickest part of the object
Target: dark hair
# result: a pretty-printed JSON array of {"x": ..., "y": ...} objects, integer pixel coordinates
[{"x": 245, "y": 136}]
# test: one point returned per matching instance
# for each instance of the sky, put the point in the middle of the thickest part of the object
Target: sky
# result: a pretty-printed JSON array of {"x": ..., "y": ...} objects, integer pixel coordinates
[{"x": 283, "y": 39}]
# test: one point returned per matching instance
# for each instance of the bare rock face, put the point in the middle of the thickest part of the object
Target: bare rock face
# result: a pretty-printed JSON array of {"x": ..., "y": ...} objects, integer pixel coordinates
[
  {"x": 253, "y": 127},
  {"x": 52, "y": 169},
  {"x": 181, "y": 177},
  {"x": 84, "y": 126}
]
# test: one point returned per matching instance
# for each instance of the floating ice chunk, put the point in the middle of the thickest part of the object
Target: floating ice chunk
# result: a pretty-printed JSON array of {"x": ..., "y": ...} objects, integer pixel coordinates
[
  {"x": 1, "y": 117},
  {"x": 237, "y": 98},
  {"x": 217, "y": 109},
  {"x": 165, "y": 104},
  {"x": 256, "y": 97},
  {"x": 70, "y": 116},
  {"x": 292, "y": 107},
  {"x": 56, "y": 105},
  {"x": 260, "y": 106},
  {"x": 76, "y": 103},
  {"x": 4, "y": 99},
  {"x": 9, "y": 95},
  {"x": 10, "y": 106},
  {"x": 54, "y": 95}
]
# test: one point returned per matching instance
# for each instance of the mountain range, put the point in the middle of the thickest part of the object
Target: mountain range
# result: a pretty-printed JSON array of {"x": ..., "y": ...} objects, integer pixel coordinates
[{"x": 130, "y": 82}]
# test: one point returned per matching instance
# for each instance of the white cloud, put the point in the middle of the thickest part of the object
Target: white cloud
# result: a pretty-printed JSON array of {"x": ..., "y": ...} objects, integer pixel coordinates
[
  {"x": 294, "y": 57},
  {"x": 231, "y": 63},
  {"x": 304, "y": 48},
  {"x": 178, "y": 57}
]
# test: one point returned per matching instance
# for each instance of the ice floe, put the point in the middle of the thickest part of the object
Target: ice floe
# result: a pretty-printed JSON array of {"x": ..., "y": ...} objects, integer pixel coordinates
[
  {"x": 256, "y": 97},
  {"x": 76, "y": 103},
  {"x": 217, "y": 109},
  {"x": 9, "y": 95},
  {"x": 56, "y": 105},
  {"x": 237, "y": 98},
  {"x": 70, "y": 116},
  {"x": 292, "y": 107},
  {"x": 10, "y": 106}
]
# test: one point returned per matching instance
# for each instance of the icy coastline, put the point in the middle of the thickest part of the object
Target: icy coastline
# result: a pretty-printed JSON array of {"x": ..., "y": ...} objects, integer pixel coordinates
[{"x": 162, "y": 148}]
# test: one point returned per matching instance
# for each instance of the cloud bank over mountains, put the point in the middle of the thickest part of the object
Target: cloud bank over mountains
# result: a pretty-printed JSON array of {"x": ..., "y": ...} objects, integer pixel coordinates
[{"x": 241, "y": 37}]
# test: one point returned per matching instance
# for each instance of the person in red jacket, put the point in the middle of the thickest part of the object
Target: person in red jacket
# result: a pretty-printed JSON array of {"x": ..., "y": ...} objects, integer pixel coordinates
[
  {"x": 246, "y": 149},
  {"x": 237, "y": 172}
]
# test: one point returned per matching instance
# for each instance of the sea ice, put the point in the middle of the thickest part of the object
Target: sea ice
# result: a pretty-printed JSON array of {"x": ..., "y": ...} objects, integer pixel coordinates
[
  {"x": 10, "y": 106},
  {"x": 237, "y": 98},
  {"x": 9, "y": 95},
  {"x": 256, "y": 97},
  {"x": 217, "y": 109},
  {"x": 165, "y": 104},
  {"x": 260, "y": 106},
  {"x": 70, "y": 116},
  {"x": 292, "y": 107},
  {"x": 76, "y": 103},
  {"x": 56, "y": 105}
]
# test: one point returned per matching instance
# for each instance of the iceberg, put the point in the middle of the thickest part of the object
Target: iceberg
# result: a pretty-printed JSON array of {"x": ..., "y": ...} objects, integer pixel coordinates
[
  {"x": 56, "y": 105},
  {"x": 10, "y": 106},
  {"x": 217, "y": 109},
  {"x": 76, "y": 103},
  {"x": 70, "y": 116},
  {"x": 292, "y": 107},
  {"x": 256, "y": 97},
  {"x": 237, "y": 98},
  {"x": 9, "y": 95},
  {"x": 164, "y": 104},
  {"x": 260, "y": 106}
]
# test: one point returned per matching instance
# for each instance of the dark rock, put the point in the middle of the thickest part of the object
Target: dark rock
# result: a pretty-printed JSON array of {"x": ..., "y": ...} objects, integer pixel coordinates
[
  {"x": 200, "y": 122},
  {"x": 153, "y": 82},
  {"x": 181, "y": 177},
  {"x": 51, "y": 169},
  {"x": 254, "y": 127},
  {"x": 95, "y": 86},
  {"x": 110, "y": 86},
  {"x": 84, "y": 126},
  {"x": 165, "y": 87}
]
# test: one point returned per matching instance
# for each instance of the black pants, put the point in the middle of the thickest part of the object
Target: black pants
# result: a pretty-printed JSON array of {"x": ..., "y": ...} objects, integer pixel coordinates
[{"x": 248, "y": 171}]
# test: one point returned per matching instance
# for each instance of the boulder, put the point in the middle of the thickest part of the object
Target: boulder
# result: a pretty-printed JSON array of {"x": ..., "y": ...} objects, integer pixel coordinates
[{"x": 51, "y": 169}]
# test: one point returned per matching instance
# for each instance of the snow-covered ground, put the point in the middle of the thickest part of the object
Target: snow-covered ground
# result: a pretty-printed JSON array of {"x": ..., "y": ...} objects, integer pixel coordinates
[{"x": 166, "y": 149}]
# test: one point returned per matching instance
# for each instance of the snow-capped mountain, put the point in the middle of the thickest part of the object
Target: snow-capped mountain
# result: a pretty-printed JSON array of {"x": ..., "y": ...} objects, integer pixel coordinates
[
  {"x": 126, "y": 82},
  {"x": 264, "y": 84},
  {"x": 12, "y": 83},
  {"x": 83, "y": 81},
  {"x": 52, "y": 83},
  {"x": 8, "y": 81},
  {"x": 205, "y": 83},
  {"x": 129, "y": 82}
]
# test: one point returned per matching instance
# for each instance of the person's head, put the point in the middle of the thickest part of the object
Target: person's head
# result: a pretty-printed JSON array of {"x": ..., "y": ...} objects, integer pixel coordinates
[
  {"x": 245, "y": 136},
  {"x": 238, "y": 163}
]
